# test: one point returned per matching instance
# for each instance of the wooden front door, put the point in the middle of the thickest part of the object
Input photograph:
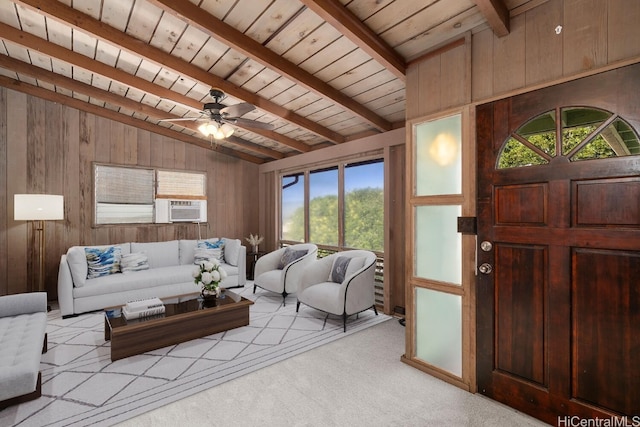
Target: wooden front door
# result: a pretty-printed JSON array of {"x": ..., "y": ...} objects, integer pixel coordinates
[{"x": 558, "y": 288}]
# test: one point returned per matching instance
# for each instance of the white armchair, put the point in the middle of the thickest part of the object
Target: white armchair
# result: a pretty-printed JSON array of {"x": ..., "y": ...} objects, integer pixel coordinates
[
  {"x": 333, "y": 286},
  {"x": 279, "y": 271}
]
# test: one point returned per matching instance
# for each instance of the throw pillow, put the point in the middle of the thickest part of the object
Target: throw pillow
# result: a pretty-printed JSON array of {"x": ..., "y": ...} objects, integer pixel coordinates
[
  {"x": 339, "y": 269},
  {"x": 231, "y": 251},
  {"x": 289, "y": 255},
  {"x": 102, "y": 262},
  {"x": 208, "y": 244},
  {"x": 134, "y": 262},
  {"x": 204, "y": 254}
]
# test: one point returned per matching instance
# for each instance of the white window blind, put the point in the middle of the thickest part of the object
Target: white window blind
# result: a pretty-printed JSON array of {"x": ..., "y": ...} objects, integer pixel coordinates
[
  {"x": 123, "y": 195},
  {"x": 177, "y": 185}
]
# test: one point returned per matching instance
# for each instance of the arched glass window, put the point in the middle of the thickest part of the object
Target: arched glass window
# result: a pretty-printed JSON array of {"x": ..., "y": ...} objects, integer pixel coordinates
[{"x": 587, "y": 133}]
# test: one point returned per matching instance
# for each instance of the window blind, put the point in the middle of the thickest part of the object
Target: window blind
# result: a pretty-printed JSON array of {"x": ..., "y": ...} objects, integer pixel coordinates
[
  {"x": 177, "y": 185},
  {"x": 123, "y": 195},
  {"x": 124, "y": 185}
]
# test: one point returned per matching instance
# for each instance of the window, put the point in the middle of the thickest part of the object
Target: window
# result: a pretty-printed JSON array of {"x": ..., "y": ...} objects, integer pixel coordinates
[
  {"x": 123, "y": 195},
  {"x": 363, "y": 205},
  {"x": 587, "y": 134},
  {"x": 127, "y": 195},
  {"x": 323, "y": 206},
  {"x": 292, "y": 208},
  {"x": 343, "y": 207}
]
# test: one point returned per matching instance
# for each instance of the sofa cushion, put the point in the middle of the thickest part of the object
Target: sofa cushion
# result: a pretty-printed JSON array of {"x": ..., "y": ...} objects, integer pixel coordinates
[
  {"x": 77, "y": 260},
  {"x": 102, "y": 262},
  {"x": 160, "y": 254},
  {"x": 187, "y": 249},
  {"x": 136, "y": 261},
  {"x": 231, "y": 250},
  {"x": 136, "y": 280}
]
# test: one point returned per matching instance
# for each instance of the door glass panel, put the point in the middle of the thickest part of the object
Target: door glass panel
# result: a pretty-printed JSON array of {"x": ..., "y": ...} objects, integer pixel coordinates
[
  {"x": 438, "y": 245},
  {"x": 439, "y": 329},
  {"x": 616, "y": 140},
  {"x": 541, "y": 133},
  {"x": 292, "y": 215},
  {"x": 577, "y": 127},
  {"x": 323, "y": 206},
  {"x": 515, "y": 154},
  {"x": 578, "y": 124},
  {"x": 438, "y": 157}
]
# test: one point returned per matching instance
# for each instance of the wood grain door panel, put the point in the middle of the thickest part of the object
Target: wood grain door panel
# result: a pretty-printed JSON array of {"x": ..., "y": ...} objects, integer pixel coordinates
[{"x": 558, "y": 318}]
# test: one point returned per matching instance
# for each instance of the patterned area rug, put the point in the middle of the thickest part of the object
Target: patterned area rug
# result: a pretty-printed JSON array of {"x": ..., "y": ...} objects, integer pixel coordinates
[{"x": 81, "y": 386}]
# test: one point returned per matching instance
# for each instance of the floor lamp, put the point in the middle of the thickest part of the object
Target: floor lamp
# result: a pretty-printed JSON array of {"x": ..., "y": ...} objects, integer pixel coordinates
[{"x": 38, "y": 208}]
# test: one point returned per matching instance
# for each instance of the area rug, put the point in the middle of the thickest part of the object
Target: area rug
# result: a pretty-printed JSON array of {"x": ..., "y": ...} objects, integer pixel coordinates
[{"x": 81, "y": 386}]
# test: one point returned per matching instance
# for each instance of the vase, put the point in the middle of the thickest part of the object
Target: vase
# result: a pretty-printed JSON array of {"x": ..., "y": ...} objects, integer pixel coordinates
[
  {"x": 208, "y": 297},
  {"x": 255, "y": 249}
]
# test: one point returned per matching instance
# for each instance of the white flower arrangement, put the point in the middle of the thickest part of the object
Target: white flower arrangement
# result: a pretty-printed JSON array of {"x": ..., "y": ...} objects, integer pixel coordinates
[{"x": 209, "y": 274}]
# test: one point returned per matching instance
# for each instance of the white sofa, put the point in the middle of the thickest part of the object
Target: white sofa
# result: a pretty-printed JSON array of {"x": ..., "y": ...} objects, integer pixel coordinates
[{"x": 170, "y": 272}]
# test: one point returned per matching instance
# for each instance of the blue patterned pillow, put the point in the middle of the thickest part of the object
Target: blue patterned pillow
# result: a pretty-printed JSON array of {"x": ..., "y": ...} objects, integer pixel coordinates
[
  {"x": 102, "y": 261},
  {"x": 219, "y": 244}
]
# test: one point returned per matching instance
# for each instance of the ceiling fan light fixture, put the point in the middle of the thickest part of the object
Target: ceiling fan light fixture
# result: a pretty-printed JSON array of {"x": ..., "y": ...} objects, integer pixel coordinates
[
  {"x": 227, "y": 130},
  {"x": 208, "y": 129}
]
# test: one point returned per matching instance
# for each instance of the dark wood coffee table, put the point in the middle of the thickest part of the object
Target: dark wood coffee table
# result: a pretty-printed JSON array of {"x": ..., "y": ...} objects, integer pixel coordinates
[{"x": 186, "y": 318}]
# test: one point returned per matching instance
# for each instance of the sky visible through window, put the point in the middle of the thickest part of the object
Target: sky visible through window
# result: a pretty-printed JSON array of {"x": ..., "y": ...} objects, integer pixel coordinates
[{"x": 361, "y": 176}]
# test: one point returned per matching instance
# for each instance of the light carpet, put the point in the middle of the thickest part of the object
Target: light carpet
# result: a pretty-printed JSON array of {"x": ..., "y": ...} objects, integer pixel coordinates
[{"x": 81, "y": 386}]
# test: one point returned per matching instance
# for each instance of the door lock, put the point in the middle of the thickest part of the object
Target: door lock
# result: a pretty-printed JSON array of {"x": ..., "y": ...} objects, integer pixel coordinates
[
  {"x": 485, "y": 268},
  {"x": 486, "y": 246}
]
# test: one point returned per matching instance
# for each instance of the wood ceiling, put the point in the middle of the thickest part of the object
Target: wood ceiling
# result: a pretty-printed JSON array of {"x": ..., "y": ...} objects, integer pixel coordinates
[{"x": 323, "y": 72}]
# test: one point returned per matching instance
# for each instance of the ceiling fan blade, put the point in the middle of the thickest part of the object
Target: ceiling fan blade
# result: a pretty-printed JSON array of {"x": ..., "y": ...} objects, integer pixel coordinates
[
  {"x": 248, "y": 123},
  {"x": 238, "y": 109}
]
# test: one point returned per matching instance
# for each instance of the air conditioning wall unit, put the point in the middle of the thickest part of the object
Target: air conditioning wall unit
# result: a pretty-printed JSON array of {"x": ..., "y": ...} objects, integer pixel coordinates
[{"x": 175, "y": 210}]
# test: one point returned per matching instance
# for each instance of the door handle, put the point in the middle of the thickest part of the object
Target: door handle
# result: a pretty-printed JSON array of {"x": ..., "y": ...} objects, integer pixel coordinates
[{"x": 485, "y": 268}]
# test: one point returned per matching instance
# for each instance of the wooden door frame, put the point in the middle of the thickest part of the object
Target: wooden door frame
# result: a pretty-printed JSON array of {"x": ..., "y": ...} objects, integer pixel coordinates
[{"x": 467, "y": 200}]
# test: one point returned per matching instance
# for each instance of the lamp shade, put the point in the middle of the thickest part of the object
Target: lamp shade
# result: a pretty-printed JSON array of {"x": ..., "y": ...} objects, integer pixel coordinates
[{"x": 30, "y": 207}]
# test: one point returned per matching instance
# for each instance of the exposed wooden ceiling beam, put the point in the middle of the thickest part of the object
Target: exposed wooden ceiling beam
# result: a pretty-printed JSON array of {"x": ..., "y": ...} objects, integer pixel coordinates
[
  {"x": 58, "y": 80},
  {"x": 225, "y": 33},
  {"x": 496, "y": 14},
  {"x": 112, "y": 115},
  {"x": 348, "y": 24},
  {"x": 79, "y": 87},
  {"x": 65, "y": 14}
]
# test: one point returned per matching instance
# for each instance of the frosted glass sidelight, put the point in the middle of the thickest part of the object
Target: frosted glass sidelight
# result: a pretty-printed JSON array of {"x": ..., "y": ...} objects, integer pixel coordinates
[
  {"x": 438, "y": 157},
  {"x": 438, "y": 245},
  {"x": 439, "y": 329}
]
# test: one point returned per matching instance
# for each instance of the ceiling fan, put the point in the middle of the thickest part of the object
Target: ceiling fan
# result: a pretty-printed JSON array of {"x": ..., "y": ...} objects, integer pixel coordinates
[{"x": 217, "y": 118}]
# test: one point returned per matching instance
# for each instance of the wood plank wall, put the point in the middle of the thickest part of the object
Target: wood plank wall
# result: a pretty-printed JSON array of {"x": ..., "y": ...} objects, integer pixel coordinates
[
  {"x": 596, "y": 36},
  {"x": 50, "y": 148}
]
